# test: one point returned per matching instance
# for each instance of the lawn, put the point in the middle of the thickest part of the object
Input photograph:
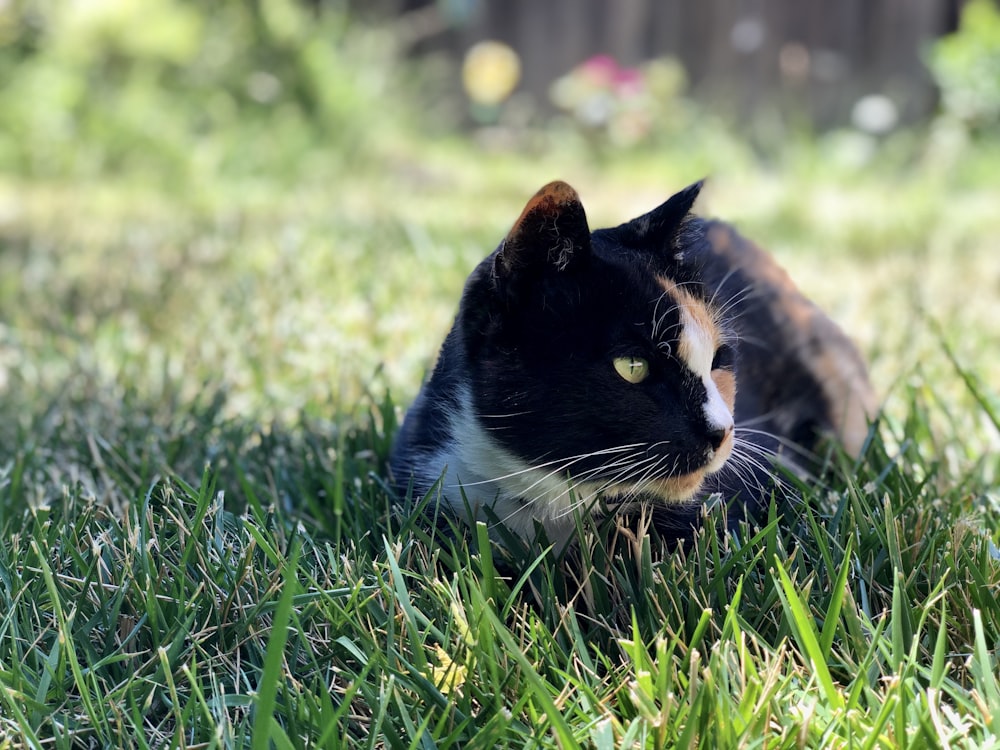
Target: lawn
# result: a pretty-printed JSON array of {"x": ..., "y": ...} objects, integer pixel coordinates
[{"x": 202, "y": 367}]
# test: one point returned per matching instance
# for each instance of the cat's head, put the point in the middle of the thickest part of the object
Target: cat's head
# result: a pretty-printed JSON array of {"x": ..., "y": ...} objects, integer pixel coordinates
[{"x": 599, "y": 355}]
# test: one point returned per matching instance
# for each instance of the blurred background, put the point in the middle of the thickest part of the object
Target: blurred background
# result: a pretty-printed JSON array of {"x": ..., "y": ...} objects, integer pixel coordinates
[
  {"x": 282, "y": 197},
  {"x": 828, "y": 65}
]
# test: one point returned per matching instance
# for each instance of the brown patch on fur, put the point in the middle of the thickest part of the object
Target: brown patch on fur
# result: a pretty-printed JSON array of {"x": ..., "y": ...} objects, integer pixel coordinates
[
  {"x": 554, "y": 214},
  {"x": 697, "y": 310},
  {"x": 725, "y": 381},
  {"x": 547, "y": 203}
]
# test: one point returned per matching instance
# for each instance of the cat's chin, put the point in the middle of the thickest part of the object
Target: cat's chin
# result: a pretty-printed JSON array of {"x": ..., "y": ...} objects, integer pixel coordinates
[{"x": 678, "y": 489}]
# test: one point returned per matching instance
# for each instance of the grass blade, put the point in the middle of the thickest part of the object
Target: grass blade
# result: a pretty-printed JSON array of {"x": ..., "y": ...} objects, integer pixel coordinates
[
  {"x": 805, "y": 633},
  {"x": 264, "y": 728}
]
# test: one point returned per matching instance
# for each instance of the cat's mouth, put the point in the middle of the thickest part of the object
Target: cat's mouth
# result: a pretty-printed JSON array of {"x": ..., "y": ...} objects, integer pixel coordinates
[
  {"x": 678, "y": 486},
  {"x": 718, "y": 457},
  {"x": 682, "y": 487}
]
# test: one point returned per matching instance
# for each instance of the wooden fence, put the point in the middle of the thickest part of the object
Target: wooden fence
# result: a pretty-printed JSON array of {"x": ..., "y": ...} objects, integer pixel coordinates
[{"x": 808, "y": 56}]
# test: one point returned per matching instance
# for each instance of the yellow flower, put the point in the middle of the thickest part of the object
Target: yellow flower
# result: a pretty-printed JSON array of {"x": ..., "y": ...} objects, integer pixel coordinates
[
  {"x": 490, "y": 72},
  {"x": 449, "y": 676}
]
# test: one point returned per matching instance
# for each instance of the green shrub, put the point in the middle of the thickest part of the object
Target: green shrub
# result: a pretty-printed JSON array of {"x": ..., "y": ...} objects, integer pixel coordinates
[
  {"x": 179, "y": 91},
  {"x": 966, "y": 66}
]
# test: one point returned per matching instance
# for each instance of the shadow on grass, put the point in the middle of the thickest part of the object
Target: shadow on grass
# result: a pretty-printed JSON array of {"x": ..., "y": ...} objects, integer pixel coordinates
[{"x": 114, "y": 446}]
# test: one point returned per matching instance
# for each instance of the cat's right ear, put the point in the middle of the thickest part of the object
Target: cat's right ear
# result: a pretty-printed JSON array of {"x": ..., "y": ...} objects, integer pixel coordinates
[
  {"x": 551, "y": 231},
  {"x": 660, "y": 227}
]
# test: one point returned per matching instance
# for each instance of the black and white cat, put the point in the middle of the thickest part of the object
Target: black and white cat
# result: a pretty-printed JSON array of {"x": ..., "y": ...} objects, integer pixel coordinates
[{"x": 660, "y": 361}]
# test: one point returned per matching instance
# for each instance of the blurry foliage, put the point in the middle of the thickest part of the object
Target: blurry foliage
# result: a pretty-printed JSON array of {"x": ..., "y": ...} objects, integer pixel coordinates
[
  {"x": 623, "y": 106},
  {"x": 966, "y": 66},
  {"x": 182, "y": 90}
]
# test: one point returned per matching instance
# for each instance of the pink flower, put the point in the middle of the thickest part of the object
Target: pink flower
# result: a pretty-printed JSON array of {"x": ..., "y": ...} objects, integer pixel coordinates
[
  {"x": 600, "y": 70},
  {"x": 628, "y": 82}
]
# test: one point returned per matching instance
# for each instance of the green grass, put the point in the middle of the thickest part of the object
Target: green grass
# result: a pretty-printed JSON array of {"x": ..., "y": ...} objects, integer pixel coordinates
[{"x": 197, "y": 398}]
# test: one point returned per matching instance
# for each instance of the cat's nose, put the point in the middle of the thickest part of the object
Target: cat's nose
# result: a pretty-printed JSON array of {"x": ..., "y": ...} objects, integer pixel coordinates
[{"x": 716, "y": 435}]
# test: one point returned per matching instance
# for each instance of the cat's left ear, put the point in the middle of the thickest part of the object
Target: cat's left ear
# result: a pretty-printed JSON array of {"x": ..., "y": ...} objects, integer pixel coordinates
[
  {"x": 552, "y": 230},
  {"x": 660, "y": 226}
]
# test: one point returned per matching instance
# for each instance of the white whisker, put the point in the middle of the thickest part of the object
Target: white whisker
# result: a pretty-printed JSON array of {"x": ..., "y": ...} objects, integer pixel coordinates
[
  {"x": 572, "y": 483},
  {"x": 567, "y": 461},
  {"x": 782, "y": 441}
]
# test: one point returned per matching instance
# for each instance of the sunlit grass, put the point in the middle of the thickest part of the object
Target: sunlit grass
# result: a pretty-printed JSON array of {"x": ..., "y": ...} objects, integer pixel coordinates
[{"x": 329, "y": 282}]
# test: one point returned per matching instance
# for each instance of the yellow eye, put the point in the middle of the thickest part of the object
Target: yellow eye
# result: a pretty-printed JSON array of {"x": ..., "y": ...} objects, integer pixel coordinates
[{"x": 632, "y": 369}]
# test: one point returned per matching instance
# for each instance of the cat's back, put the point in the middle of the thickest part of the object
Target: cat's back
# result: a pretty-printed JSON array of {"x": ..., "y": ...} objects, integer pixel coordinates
[{"x": 800, "y": 376}]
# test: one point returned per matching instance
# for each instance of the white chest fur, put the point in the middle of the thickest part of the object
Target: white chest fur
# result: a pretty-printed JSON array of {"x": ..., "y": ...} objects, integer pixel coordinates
[{"x": 480, "y": 472}]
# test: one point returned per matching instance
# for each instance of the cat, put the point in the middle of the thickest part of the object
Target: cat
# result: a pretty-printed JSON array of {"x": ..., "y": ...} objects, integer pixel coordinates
[{"x": 664, "y": 361}]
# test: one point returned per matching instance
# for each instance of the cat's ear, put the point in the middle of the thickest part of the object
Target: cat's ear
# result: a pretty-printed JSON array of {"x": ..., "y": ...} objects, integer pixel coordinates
[
  {"x": 661, "y": 225},
  {"x": 552, "y": 230}
]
